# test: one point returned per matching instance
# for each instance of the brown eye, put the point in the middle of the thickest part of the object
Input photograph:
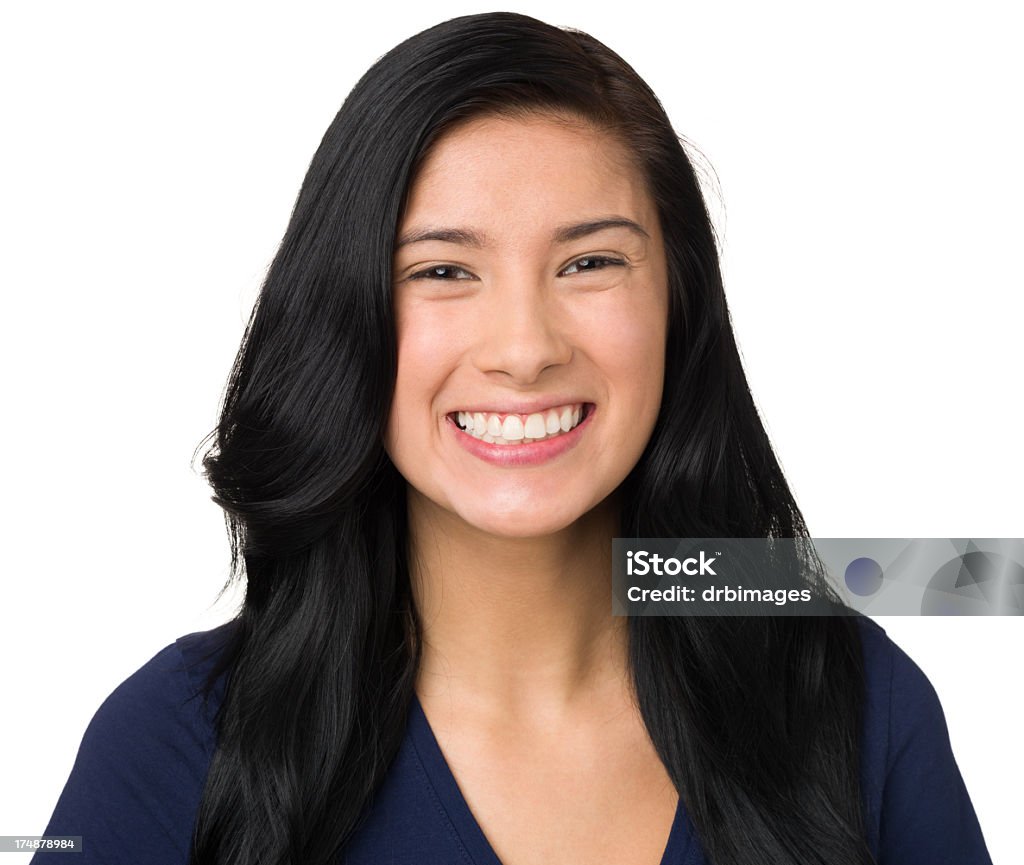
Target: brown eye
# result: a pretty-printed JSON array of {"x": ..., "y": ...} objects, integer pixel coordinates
[
  {"x": 591, "y": 263},
  {"x": 443, "y": 271}
]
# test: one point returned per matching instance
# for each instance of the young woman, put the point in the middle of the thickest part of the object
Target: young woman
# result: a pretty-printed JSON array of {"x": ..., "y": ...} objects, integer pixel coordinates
[{"x": 494, "y": 338}]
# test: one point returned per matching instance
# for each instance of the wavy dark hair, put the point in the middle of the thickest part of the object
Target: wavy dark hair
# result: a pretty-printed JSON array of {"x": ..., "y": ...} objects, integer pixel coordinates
[{"x": 756, "y": 719}]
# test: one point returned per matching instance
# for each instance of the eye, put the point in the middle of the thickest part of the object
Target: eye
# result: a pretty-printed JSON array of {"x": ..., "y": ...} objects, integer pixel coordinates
[
  {"x": 590, "y": 263},
  {"x": 444, "y": 272}
]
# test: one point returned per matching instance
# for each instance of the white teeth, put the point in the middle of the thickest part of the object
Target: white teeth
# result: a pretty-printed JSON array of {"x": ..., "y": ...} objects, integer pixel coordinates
[
  {"x": 512, "y": 428},
  {"x": 534, "y": 428},
  {"x": 515, "y": 429}
]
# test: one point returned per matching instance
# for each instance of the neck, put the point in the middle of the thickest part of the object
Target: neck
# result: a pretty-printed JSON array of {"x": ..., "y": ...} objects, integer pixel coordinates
[{"x": 516, "y": 625}]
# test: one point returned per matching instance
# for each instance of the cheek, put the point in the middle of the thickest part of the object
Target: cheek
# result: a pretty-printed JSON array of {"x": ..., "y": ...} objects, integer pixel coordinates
[
  {"x": 627, "y": 340},
  {"x": 425, "y": 350},
  {"x": 420, "y": 336}
]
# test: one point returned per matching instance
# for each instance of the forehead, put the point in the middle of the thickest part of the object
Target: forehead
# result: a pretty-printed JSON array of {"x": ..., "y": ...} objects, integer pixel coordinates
[{"x": 518, "y": 171}]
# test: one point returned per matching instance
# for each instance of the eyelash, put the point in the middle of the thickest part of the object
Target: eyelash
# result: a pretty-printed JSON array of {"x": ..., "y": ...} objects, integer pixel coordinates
[
  {"x": 602, "y": 261},
  {"x": 428, "y": 273}
]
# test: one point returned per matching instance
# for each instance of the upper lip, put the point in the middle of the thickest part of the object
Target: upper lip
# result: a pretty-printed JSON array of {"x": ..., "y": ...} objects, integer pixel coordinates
[{"x": 519, "y": 406}]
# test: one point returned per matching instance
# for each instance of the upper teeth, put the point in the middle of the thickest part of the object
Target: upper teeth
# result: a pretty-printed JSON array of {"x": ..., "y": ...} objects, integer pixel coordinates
[{"x": 496, "y": 428}]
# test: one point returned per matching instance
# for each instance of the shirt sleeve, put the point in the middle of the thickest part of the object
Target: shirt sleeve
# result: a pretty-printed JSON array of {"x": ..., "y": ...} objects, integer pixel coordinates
[
  {"x": 926, "y": 817},
  {"x": 138, "y": 777}
]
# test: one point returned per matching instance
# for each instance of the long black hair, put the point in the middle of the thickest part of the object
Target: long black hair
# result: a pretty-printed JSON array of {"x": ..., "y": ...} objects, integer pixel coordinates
[{"x": 756, "y": 719}]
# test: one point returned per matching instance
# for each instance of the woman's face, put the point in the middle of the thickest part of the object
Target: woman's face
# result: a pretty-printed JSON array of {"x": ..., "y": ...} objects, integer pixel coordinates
[{"x": 531, "y": 306}]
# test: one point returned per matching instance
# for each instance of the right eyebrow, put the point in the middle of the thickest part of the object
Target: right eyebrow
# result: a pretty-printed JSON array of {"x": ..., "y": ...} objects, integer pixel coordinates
[{"x": 461, "y": 236}]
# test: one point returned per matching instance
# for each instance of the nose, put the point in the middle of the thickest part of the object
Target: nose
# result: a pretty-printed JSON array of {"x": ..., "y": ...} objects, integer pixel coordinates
[{"x": 521, "y": 333}]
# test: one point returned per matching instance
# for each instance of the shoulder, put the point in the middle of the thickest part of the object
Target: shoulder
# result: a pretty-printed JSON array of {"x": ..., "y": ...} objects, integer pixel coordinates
[
  {"x": 899, "y": 698},
  {"x": 917, "y": 807},
  {"x": 897, "y": 689},
  {"x": 138, "y": 777},
  {"x": 164, "y": 699},
  {"x": 901, "y": 703}
]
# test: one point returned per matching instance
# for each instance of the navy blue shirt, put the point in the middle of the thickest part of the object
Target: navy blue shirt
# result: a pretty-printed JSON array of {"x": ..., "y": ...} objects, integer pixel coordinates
[{"x": 137, "y": 781}]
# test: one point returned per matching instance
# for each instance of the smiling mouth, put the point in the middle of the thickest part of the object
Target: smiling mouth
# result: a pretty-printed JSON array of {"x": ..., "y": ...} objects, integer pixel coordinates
[{"x": 517, "y": 429}]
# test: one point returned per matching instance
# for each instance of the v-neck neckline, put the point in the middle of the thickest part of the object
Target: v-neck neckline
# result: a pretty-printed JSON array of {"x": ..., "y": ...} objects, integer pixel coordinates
[{"x": 443, "y": 781}]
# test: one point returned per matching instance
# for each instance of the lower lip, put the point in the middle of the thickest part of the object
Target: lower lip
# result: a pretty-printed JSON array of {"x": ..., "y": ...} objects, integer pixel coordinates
[{"x": 532, "y": 454}]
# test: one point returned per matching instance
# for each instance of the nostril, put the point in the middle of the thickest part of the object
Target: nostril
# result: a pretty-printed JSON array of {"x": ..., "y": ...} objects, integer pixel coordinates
[{"x": 522, "y": 351}]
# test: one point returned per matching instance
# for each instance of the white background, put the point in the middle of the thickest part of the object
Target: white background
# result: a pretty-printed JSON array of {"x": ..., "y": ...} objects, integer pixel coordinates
[{"x": 869, "y": 166}]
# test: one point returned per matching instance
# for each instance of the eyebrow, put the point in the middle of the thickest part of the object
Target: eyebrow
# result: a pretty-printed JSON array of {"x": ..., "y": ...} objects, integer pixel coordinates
[
  {"x": 563, "y": 234},
  {"x": 581, "y": 229},
  {"x": 461, "y": 236}
]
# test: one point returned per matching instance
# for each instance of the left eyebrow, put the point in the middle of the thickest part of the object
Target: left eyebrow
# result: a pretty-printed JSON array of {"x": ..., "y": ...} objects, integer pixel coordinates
[{"x": 568, "y": 233}]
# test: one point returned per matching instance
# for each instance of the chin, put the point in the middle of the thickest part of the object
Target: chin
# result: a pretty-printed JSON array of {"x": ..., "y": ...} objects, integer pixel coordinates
[{"x": 528, "y": 522}]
